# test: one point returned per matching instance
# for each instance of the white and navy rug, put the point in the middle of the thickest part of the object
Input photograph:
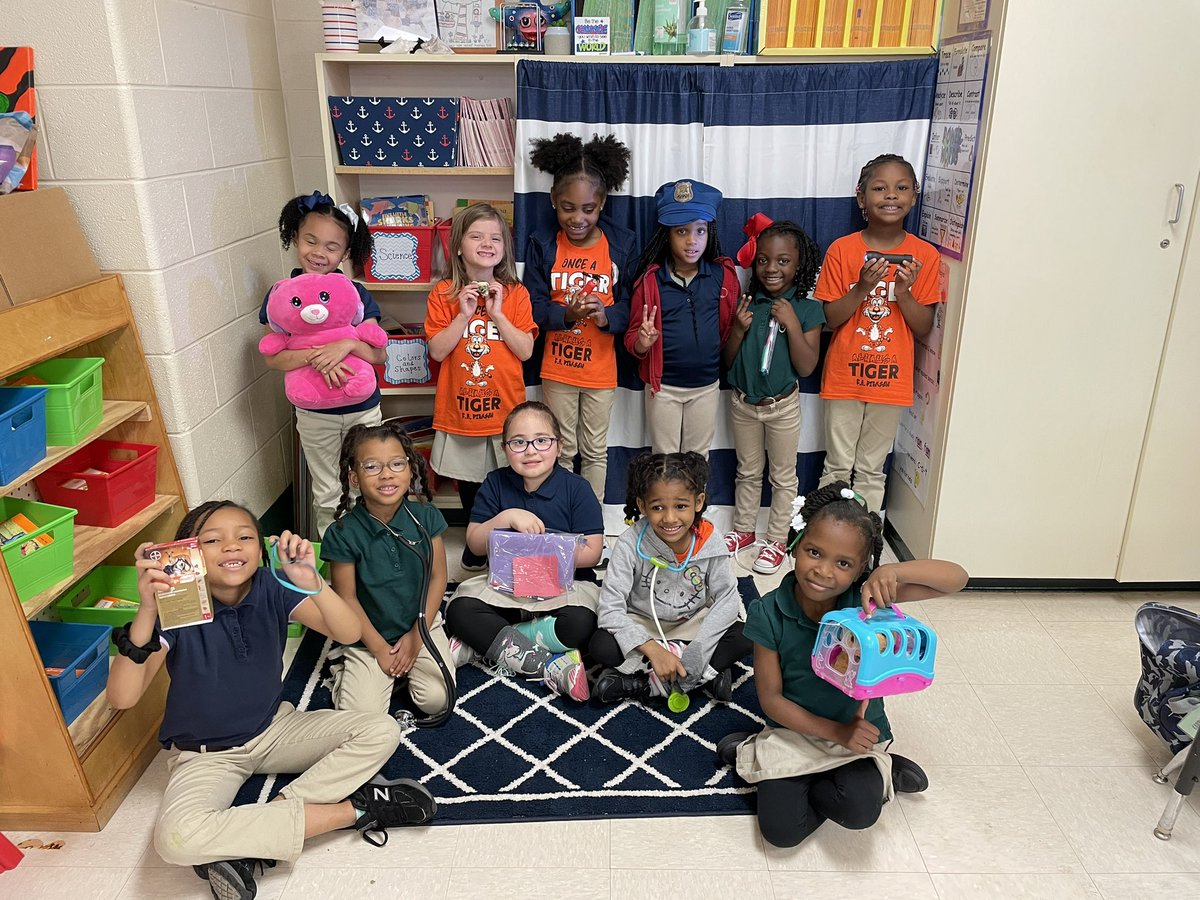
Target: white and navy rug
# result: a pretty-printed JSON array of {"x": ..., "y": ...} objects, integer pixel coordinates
[{"x": 514, "y": 752}]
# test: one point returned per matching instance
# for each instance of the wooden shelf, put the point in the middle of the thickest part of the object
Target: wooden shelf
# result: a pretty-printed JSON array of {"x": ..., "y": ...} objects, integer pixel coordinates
[
  {"x": 90, "y": 723},
  {"x": 92, "y": 545},
  {"x": 406, "y": 286},
  {"x": 423, "y": 170},
  {"x": 115, "y": 412},
  {"x": 414, "y": 391}
]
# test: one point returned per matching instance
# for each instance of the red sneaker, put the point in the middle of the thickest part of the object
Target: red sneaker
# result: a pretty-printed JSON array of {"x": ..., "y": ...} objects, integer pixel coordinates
[
  {"x": 770, "y": 558},
  {"x": 736, "y": 541}
]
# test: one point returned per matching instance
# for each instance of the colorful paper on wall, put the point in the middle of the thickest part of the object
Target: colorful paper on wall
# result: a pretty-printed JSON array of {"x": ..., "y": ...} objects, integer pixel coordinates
[{"x": 17, "y": 95}]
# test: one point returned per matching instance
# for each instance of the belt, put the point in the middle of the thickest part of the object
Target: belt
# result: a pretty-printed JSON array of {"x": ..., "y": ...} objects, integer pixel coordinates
[
  {"x": 202, "y": 748},
  {"x": 770, "y": 401}
]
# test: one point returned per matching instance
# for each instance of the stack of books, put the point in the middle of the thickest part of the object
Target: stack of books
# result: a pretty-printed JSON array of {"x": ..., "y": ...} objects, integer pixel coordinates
[{"x": 486, "y": 132}]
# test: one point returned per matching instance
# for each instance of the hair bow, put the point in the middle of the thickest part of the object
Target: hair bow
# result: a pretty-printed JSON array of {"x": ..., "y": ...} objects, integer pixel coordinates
[
  {"x": 315, "y": 199},
  {"x": 351, "y": 215},
  {"x": 849, "y": 494},
  {"x": 755, "y": 226}
]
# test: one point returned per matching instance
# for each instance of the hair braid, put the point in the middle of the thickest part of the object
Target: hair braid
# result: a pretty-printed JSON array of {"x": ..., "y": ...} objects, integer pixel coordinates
[
  {"x": 648, "y": 469},
  {"x": 389, "y": 428},
  {"x": 193, "y": 523},
  {"x": 883, "y": 159},
  {"x": 808, "y": 257},
  {"x": 827, "y": 502}
]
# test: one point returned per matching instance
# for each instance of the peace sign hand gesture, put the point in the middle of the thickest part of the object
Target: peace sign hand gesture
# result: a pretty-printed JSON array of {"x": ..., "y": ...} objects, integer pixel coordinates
[
  {"x": 647, "y": 333},
  {"x": 743, "y": 318}
]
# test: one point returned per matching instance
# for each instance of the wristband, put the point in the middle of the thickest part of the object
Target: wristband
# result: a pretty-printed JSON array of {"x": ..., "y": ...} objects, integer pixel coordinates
[{"x": 126, "y": 647}]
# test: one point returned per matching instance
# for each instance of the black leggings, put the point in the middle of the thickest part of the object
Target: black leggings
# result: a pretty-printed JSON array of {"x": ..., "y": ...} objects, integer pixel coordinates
[
  {"x": 605, "y": 650},
  {"x": 790, "y": 809},
  {"x": 477, "y": 623}
]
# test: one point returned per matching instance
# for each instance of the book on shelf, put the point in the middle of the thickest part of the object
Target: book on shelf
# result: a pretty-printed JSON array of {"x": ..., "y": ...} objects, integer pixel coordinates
[
  {"x": 17, "y": 528},
  {"x": 486, "y": 132},
  {"x": 413, "y": 210}
]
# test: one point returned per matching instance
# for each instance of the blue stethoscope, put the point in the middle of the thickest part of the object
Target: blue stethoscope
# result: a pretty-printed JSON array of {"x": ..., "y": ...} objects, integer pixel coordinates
[{"x": 662, "y": 563}]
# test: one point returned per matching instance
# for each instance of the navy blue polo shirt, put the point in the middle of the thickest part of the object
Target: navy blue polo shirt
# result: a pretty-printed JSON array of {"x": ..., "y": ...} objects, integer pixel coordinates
[
  {"x": 227, "y": 676},
  {"x": 370, "y": 311},
  {"x": 564, "y": 502},
  {"x": 691, "y": 326}
]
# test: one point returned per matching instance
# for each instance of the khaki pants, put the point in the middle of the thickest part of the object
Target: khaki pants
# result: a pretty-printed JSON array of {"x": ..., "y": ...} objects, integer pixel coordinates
[
  {"x": 364, "y": 687},
  {"x": 765, "y": 435},
  {"x": 583, "y": 414},
  {"x": 858, "y": 437},
  {"x": 321, "y": 437},
  {"x": 337, "y": 752},
  {"x": 680, "y": 419}
]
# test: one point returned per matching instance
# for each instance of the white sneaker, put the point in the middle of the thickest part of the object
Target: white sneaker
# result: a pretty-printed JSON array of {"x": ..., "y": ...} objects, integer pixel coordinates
[{"x": 462, "y": 654}]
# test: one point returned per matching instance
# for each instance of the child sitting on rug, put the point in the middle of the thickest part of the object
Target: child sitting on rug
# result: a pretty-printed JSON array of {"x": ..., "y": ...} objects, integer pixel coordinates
[
  {"x": 670, "y": 612},
  {"x": 538, "y": 638},
  {"x": 823, "y": 754},
  {"x": 384, "y": 582},
  {"x": 225, "y": 718}
]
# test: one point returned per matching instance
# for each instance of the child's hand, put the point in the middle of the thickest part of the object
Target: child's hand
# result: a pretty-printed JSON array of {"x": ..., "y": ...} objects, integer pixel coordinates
[
  {"x": 881, "y": 587},
  {"x": 871, "y": 273},
  {"x": 326, "y": 359},
  {"x": 579, "y": 307},
  {"x": 667, "y": 666},
  {"x": 524, "y": 521},
  {"x": 337, "y": 376},
  {"x": 742, "y": 317},
  {"x": 151, "y": 578},
  {"x": 468, "y": 300},
  {"x": 906, "y": 274},
  {"x": 297, "y": 560},
  {"x": 858, "y": 735},
  {"x": 785, "y": 315},
  {"x": 647, "y": 333},
  {"x": 494, "y": 302},
  {"x": 404, "y": 653}
]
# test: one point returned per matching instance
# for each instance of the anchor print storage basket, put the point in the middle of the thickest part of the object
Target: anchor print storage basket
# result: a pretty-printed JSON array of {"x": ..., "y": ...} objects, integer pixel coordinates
[{"x": 396, "y": 131}]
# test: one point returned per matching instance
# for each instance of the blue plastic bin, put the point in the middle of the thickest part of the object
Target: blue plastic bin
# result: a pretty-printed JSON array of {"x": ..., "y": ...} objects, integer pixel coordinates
[
  {"x": 81, "y": 651},
  {"x": 22, "y": 430}
]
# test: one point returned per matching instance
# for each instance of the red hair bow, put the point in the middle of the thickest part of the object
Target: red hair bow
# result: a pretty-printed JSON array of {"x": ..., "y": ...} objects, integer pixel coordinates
[{"x": 753, "y": 228}]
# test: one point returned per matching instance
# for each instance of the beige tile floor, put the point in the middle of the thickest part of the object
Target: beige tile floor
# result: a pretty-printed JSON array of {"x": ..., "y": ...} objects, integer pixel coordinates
[{"x": 1040, "y": 788}]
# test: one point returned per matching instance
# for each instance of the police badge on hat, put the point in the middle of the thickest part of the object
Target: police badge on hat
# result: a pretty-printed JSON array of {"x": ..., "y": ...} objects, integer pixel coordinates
[{"x": 683, "y": 191}]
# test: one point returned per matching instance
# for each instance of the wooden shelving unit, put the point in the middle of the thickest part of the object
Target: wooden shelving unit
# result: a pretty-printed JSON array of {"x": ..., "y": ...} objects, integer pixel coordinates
[
  {"x": 422, "y": 171},
  {"x": 52, "y": 776}
]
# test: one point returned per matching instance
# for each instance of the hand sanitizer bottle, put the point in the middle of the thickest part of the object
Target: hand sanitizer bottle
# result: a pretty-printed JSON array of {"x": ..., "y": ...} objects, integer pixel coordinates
[{"x": 701, "y": 40}]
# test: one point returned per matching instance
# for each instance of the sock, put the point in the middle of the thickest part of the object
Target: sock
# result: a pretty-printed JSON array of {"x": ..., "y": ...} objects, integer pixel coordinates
[
  {"x": 541, "y": 632},
  {"x": 359, "y": 813}
]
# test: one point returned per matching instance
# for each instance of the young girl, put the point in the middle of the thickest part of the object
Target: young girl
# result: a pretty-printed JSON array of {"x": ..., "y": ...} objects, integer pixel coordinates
[
  {"x": 684, "y": 297},
  {"x": 765, "y": 408},
  {"x": 822, "y": 755},
  {"x": 874, "y": 308},
  {"x": 225, "y": 718},
  {"x": 325, "y": 236},
  {"x": 381, "y": 580},
  {"x": 668, "y": 582},
  {"x": 534, "y": 495},
  {"x": 578, "y": 280},
  {"x": 480, "y": 336}
]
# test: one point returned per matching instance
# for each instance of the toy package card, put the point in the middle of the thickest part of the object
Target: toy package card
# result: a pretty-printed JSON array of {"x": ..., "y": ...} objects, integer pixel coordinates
[
  {"x": 533, "y": 566},
  {"x": 187, "y": 602}
]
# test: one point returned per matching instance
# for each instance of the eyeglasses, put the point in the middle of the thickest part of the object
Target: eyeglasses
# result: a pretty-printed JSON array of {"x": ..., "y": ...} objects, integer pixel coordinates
[
  {"x": 372, "y": 468},
  {"x": 541, "y": 444}
]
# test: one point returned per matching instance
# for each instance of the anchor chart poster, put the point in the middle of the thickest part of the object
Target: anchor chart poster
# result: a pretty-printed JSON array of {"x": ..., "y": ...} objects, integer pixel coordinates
[
  {"x": 395, "y": 131},
  {"x": 953, "y": 134}
]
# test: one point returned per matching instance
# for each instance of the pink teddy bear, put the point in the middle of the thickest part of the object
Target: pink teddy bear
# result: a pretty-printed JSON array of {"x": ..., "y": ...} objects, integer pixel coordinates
[{"x": 311, "y": 311}]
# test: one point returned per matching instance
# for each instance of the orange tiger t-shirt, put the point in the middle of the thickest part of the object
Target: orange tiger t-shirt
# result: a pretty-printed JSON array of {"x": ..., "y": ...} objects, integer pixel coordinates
[
  {"x": 871, "y": 355},
  {"x": 583, "y": 354},
  {"x": 481, "y": 380}
]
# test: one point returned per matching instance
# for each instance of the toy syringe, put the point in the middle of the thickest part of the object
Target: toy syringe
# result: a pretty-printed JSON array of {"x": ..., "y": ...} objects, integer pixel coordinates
[{"x": 769, "y": 346}]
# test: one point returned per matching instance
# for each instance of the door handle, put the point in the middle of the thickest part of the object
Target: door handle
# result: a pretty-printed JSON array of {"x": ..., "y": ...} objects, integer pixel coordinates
[{"x": 1179, "y": 191}]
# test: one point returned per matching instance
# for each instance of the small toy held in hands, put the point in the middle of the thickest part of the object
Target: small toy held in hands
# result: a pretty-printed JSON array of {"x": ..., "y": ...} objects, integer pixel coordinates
[
  {"x": 895, "y": 259},
  {"x": 886, "y": 654},
  {"x": 483, "y": 287}
]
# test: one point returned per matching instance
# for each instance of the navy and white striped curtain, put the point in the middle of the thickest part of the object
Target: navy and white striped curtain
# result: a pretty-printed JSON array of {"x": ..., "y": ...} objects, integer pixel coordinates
[{"x": 785, "y": 140}]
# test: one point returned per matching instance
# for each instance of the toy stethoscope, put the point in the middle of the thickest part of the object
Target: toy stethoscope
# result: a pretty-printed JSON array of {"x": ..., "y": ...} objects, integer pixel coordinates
[{"x": 678, "y": 701}]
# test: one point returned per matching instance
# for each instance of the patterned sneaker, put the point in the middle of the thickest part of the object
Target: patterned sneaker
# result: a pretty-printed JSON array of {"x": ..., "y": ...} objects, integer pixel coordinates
[
  {"x": 462, "y": 654},
  {"x": 390, "y": 804},
  {"x": 736, "y": 541},
  {"x": 770, "y": 558},
  {"x": 613, "y": 687},
  {"x": 514, "y": 653},
  {"x": 233, "y": 879},
  {"x": 657, "y": 688},
  {"x": 566, "y": 676}
]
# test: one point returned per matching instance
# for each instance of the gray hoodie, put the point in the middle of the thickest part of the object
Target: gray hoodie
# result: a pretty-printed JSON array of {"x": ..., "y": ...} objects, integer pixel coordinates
[{"x": 706, "y": 583}]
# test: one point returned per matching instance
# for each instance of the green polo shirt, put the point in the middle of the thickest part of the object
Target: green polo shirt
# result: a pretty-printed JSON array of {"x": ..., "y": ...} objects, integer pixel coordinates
[
  {"x": 745, "y": 374},
  {"x": 777, "y": 623},
  {"x": 387, "y": 576}
]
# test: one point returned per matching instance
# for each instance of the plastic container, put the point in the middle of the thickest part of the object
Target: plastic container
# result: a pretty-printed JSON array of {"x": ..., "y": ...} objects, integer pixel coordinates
[
  {"x": 74, "y": 398},
  {"x": 119, "y": 485},
  {"x": 33, "y": 572},
  {"x": 79, "y": 603},
  {"x": 701, "y": 37},
  {"x": 22, "y": 431},
  {"x": 79, "y": 651}
]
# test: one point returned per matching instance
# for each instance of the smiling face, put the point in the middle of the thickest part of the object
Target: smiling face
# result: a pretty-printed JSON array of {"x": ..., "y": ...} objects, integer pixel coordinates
[
  {"x": 482, "y": 248},
  {"x": 532, "y": 464},
  {"x": 687, "y": 245},
  {"x": 776, "y": 263},
  {"x": 671, "y": 509},
  {"x": 321, "y": 244},
  {"x": 578, "y": 205},
  {"x": 830, "y": 556},
  {"x": 232, "y": 550},
  {"x": 383, "y": 489},
  {"x": 888, "y": 194}
]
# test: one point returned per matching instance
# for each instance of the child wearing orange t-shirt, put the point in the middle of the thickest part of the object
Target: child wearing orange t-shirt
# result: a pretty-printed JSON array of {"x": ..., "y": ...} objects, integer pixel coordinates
[
  {"x": 578, "y": 276},
  {"x": 480, "y": 337},
  {"x": 874, "y": 307}
]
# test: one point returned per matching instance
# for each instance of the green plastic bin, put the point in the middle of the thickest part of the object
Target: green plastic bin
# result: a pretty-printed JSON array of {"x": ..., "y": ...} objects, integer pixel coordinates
[
  {"x": 34, "y": 572},
  {"x": 78, "y": 604},
  {"x": 74, "y": 398}
]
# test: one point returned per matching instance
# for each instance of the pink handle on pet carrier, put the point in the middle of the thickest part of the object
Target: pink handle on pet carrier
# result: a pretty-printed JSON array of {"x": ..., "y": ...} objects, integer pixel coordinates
[{"x": 874, "y": 606}]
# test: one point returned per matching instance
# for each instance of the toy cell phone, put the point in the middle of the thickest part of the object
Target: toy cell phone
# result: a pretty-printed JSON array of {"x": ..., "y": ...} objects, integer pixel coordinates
[{"x": 894, "y": 258}]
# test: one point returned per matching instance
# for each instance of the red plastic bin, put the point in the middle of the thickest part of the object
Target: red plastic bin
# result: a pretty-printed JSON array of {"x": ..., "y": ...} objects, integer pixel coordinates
[{"x": 106, "y": 481}]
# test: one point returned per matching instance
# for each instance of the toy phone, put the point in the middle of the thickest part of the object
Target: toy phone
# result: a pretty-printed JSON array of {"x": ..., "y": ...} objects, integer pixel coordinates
[{"x": 893, "y": 258}]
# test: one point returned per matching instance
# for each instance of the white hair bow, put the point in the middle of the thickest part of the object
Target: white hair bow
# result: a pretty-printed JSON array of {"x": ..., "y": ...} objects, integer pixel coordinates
[
  {"x": 350, "y": 214},
  {"x": 798, "y": 522}
]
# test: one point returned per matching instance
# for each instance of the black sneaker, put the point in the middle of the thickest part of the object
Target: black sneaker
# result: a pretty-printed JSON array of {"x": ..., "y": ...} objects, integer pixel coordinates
[
  {"x": 727, "y": 747},
  {"x": 233, "y": 879},
  {"x": 391, "y": 804},
  {"x": 907, "y": 776},
  {"x": 721, "y": 687},
  {"x": 613, "y": 687},
  {"x": 473, "y": 562}
]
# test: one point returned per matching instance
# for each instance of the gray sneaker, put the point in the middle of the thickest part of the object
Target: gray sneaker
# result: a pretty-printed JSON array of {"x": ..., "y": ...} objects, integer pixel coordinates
[{"x": 513, "y": 653}]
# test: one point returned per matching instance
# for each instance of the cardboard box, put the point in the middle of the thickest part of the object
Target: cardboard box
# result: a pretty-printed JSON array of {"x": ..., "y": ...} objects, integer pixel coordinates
[{"x": 42, "y": 248}]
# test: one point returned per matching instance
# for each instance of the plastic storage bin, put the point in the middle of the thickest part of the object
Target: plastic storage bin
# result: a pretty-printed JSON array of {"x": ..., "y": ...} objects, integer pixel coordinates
[
  {"x": 122, "y": 485},
  {"x": 79, "y": 603},
  {"x": 79, "y": 651},
  {"x": 22, "y": 431},
  {"x": 48, "y": 565},
  {"x": 74, "y": 399}
]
